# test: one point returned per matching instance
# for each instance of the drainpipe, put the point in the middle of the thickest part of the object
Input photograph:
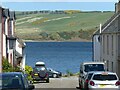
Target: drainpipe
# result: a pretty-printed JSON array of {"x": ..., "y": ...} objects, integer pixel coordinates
[{"x": 100, "y": 39}]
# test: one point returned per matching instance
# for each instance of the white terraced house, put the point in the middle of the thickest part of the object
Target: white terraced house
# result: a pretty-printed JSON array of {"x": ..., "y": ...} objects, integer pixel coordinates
[
  {"x": 106, "y": 42},
  {"x": 11, "y": 46}
]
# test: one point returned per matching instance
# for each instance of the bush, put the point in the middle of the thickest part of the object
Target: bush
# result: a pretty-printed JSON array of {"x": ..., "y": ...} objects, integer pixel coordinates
[
  {"x": 28, "y": 70},
  {"x": 69, "y": 73},
  {"x": 7, "y": 67}
]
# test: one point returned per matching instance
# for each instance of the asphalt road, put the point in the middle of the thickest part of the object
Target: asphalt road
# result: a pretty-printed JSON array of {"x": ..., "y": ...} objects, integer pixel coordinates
[{"x": 70, "y": 83}]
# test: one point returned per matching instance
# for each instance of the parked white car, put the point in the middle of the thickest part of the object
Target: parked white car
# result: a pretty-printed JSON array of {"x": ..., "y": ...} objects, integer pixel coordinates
[{"x": 104, "y": 80}]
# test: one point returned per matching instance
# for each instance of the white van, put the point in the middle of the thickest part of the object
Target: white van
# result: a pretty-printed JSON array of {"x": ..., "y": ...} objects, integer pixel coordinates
[{"x": 86, "y": 67}]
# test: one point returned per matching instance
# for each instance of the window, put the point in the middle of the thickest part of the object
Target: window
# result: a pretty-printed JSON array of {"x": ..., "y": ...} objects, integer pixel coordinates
[
  {"x": 94, "y": 67},
  {"x": 40, "y": 68},
  {"x": 11, "y": 44},
  {"x": 112, "y": 66},
  {"x": 104, "y": 77},
  {"x": 103, "y": 44},
  {"x": 108, "y": 44},
  {"x": 112, "y": 45},
  {"x": 107, "y": 65},
  {"x": 118, "y": 45},
  {"x": 25, "y": 81}
]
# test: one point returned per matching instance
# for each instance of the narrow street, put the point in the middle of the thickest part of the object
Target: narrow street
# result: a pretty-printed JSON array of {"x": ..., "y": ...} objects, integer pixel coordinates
[{"x": 70, "y": 83}]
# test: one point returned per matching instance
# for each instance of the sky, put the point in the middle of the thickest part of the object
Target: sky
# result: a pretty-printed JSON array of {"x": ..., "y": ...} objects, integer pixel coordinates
[{"x": 83, "y": 5}]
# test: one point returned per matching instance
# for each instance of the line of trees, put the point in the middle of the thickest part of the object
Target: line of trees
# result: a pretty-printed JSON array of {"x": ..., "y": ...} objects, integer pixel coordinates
[
  {"x": 48, "y": 12},
  {"x": 60, "y": 36}
]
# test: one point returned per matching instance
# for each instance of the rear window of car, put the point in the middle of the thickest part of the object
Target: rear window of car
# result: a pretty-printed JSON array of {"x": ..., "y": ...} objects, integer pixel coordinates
[
  {"x": 104, "y": 77},
  {"x": 40, "y": 68}
]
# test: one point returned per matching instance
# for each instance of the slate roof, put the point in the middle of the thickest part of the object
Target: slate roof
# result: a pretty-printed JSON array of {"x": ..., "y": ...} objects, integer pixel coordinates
[
  {"x": 108, "y": 23},
  {"x": 16, "y": 38},
  {"x": 0, "y": 15},
  {"x": 12, "y": 15},
  {"x": 11, "y": 37},
  {"x": 6, "y": 12}
]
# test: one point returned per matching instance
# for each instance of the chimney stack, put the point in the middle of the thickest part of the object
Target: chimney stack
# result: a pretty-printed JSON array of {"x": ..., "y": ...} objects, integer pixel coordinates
[{"x": 117, "y": 7}]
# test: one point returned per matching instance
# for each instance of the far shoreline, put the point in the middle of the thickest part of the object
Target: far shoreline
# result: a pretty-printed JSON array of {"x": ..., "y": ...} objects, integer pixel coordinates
[
  {"x": 71, "y": 40},
  {"x": 53, "y": 41}
]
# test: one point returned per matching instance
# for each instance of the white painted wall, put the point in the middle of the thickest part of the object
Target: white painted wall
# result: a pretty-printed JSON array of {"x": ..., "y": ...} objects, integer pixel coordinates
[
  {"x": 0, "y": 47},
  {"x": 6, "y": 26},
  {"x": 18, "y": 47},
  {"x": 23, "y": 63},
  {"x": 96, "y": 45},
  {"x": 12, "y": 24},
  {"x": 10, "y": 56},
  {"x": 106, "y": 55},
  {"x": 4, "y": 46}
]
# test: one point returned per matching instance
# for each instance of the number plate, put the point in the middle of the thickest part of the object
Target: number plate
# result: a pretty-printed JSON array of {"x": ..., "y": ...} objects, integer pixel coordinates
[{"x": 102, "y": 85}]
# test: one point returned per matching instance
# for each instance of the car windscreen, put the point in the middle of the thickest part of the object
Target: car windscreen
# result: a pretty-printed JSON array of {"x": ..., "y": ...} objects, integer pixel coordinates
[
  {"x": 104, "y": 77},
  {"x": 94, "y": 67},
  {"x": 11, "y": 81}
]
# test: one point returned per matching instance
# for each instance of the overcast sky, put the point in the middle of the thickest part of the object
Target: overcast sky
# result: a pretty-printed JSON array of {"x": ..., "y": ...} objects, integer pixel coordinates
[{"x": 87, "y": 5}]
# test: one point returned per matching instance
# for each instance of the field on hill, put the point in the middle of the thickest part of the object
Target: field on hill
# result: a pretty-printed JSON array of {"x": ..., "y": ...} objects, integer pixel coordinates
[{"x": 60, "y": 27}]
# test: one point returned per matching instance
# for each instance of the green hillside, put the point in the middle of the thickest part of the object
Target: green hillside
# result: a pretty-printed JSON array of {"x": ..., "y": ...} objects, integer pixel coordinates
[{"x": 60, "y": 27}]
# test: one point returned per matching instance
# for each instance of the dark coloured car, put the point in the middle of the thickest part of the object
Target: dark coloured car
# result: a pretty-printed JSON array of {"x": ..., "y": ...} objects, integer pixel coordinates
[
  {"x": 14, "y": 81},
  {"x": 53, "y": 73},
  {"x": 87, "y": 79},
  {"x": 40, "y": 74}
]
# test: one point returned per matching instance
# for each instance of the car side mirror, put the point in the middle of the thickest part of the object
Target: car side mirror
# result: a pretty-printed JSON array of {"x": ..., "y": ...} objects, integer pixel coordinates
[{"x": 31, "y": 87}]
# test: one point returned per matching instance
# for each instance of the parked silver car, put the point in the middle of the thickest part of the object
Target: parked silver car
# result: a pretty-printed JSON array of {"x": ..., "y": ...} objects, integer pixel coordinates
[
  {"x": 104, "y": 80},
  {"x": 53, "y": 73}
]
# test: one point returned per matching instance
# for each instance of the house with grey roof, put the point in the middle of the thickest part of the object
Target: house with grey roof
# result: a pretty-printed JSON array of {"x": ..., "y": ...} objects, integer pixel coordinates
[
  {"x": 106, "y": 42},
  {"x": 1, "y": 10},
  {"x": 11, "y": 46}
]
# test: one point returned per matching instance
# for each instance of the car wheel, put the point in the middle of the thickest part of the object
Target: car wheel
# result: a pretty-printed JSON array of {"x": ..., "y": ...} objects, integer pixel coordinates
[
  {"x": 54, "y": 75},
  {"x": 47, "y": 80}
]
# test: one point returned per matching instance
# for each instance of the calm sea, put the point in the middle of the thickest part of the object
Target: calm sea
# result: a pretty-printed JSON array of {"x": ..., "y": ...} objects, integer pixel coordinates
[{"x": 61, "y": 56}]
